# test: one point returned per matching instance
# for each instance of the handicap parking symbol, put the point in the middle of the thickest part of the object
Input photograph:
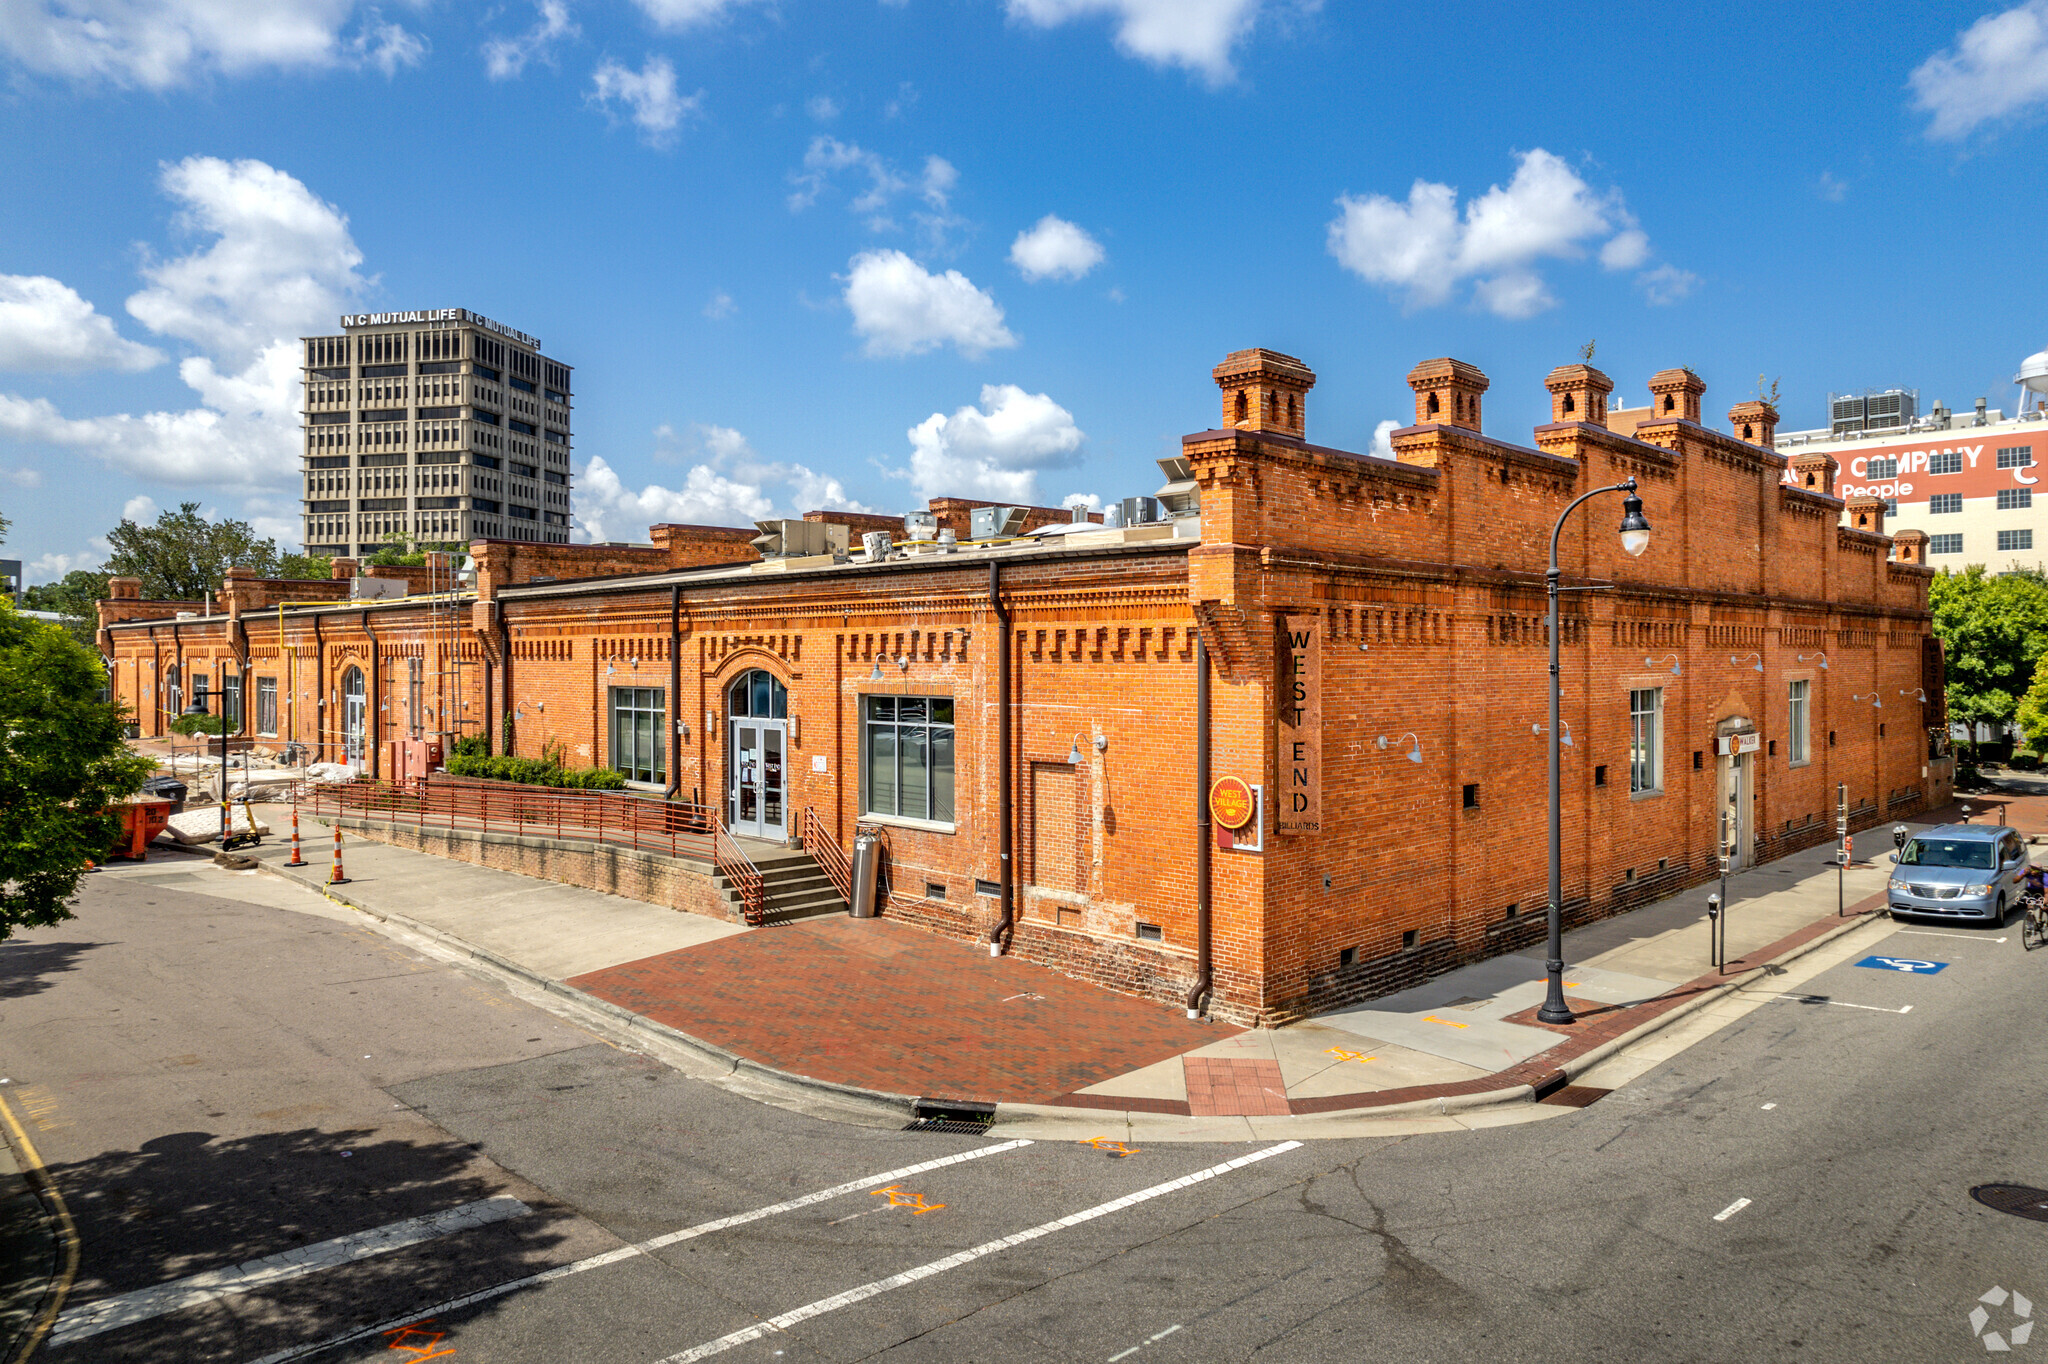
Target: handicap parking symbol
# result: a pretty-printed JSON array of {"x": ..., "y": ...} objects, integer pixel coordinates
[{"x": 1911, "y": 966}]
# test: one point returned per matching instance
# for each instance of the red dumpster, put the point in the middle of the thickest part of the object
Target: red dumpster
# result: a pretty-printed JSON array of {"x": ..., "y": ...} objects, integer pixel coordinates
[{"x": 143, "y": 817}]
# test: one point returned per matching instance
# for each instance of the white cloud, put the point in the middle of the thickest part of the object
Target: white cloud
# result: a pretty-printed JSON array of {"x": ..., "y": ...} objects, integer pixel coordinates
[
  {"x": 1831, "y": 188},
  {"x": 1092, "y": 501},
  {"x": 1054, "y": 249},
  {"x": 23, "y": 478},
  {"x": 822, "y": 108},
  {"x": 158, "y": 44},
  {"x": 1382, "y": 438},
  {"x": 141, "y": 509},
  {"x": 720, "y": 307},
  {"x": 650, "y": 93},
  {"x": 1196, "y": 34},
  {"x": 505, "y": 57},
  {"x": 676, "y": 15},
  {"x": 386, "y": 46},
  {"x": 903, "y": 309},
  {"x": 825, "y": 157},
  {"x": 1425, "y": 249},
  {"x": 1997, "y": 71},
  {"x": 940, "y": 177},
  {"x": 279, "y": 263},
  {"x": 1667, "y": 284},
  {"x": 994, "y": 451},
  {"x": 52, "y": 567},
  {"x": 45, "y": 325},
  {"x": 728, "y": 485}
]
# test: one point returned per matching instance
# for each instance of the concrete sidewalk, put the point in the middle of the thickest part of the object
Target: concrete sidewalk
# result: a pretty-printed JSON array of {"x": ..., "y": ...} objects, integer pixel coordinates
[{"x": 889, "y": 1013}]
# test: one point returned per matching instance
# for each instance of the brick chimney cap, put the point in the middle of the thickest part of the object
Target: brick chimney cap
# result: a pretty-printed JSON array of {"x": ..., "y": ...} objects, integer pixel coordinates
[
  {"x": 1258, "y": 360},
  {"x": 1864, "y": 500},
  {"x": 1577, "y": 376},
  {"x": 1910, "y": 537},
  {"x": 1675, "y": 380},
  {"x": 1430, "y": 373}
]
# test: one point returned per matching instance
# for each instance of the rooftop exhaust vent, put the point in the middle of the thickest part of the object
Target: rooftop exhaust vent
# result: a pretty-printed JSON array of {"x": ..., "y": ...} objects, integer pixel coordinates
[{"x": 995, "y": 523}]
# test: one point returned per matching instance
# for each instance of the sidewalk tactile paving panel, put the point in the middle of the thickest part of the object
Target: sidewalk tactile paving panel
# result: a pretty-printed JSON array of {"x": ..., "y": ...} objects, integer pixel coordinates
[
  {"x": 884, "y": 1006},
  {"x": 1219, "y": 1087}
]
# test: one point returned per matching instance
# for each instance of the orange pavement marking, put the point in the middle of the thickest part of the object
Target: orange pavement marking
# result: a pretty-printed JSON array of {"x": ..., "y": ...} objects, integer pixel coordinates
[
  {"x": 1342, "y": 1055},
  {"x": 417, "y": 1352},
  {"x": 913, "y": 1201},
  {"x": 1432, "y": 1018},
  {"x": 1112, "y": 1145}
]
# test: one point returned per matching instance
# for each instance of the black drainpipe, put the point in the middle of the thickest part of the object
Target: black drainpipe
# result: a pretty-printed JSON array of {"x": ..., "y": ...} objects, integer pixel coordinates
[
  {"x": 371, "y": 710},
  {"x": 1204, "y": 835},
  {"x": 675, "y": 691},
  {"x": 319, "y": 686},
  {"x": 1004, "y": 925},
  {"x": 506, "y": 729}
]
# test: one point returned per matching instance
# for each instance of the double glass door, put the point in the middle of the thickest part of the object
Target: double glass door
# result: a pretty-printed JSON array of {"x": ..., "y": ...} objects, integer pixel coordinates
[{"x": 757, "y": 799}]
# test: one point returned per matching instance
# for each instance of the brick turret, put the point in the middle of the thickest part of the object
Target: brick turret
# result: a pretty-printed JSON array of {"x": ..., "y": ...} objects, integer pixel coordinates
[
  {"x": 1578, "y": 393},
  {"x": 1264, "y": 390},
  {"x": 1815, "y": 471},
  {"x": 1755, "y": 421},
  {"x": 1675, "y": 394},
  {"x": 1910, "y": 547},
  {"x": 1867, "y": 513},
  {"x": 1447, "y": 391}
]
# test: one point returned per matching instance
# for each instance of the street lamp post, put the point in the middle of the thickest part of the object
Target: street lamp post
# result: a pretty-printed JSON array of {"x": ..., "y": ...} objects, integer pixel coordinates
[{"x": 1635, "y": 538}]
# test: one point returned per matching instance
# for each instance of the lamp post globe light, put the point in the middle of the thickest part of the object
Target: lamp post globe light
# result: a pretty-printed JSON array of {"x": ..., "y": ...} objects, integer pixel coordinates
[{"x": 1635, "y": 538}]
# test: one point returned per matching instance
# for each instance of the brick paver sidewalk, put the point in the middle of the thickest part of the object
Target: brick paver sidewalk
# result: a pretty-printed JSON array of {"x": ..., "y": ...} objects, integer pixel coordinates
[{"x": 870, "y": 1003}]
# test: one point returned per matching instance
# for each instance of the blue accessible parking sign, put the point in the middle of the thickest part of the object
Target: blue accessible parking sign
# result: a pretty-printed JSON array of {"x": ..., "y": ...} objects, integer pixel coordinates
[{"x": 1912, "y": 966}]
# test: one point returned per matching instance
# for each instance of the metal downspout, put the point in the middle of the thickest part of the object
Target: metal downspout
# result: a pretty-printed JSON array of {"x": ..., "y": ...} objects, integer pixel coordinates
[
  {"x": 319, "y": 688},
  {"x": 674, "y": 709},
  {"x": 505, "y": 737},
  {"x": 1204, "y": 835},
  {"x": 1005, "y": 926}
]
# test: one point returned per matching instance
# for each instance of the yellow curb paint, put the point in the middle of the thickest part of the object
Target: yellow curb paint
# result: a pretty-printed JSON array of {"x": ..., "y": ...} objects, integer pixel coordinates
[{"x": 67, "y": 1231}]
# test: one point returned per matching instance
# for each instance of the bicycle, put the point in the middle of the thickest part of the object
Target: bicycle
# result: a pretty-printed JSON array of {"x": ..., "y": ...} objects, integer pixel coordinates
[{"x": 2034, "y": 902}]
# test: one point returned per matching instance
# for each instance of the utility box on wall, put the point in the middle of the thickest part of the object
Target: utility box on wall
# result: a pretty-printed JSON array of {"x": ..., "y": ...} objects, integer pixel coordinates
[{"x": 413, "y": 759}]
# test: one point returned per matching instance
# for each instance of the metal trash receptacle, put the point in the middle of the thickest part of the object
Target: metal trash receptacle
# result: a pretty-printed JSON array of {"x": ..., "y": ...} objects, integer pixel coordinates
[
  {"x": 867, "y": 865},
  {"x": 167, "y": 788}
]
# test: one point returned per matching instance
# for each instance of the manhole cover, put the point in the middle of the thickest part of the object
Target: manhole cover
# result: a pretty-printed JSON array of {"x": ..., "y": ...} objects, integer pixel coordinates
[{"x": 2020, "y": 1200}]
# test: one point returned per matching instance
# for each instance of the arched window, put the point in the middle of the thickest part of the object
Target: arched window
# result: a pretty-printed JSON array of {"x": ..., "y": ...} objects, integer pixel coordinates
[
  {"x": 1242, "y": 408},
  {"x": 1569, "y": 405},
  {"x": 1290, "y": 410},
  {"x": 757, "y": 695},
  {"x": 1434, "y": 406}
]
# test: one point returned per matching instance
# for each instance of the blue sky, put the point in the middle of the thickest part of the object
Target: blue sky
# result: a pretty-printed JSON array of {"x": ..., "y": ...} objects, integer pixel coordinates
[{"x": 865, "y": 252}]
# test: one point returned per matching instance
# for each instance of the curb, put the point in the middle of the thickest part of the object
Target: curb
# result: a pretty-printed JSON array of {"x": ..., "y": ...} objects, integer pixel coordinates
[{"x": 897, "y": 1105}]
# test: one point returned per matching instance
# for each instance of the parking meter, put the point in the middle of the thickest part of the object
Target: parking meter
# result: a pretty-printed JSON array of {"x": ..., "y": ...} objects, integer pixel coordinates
[
  {"x": 1713, "y": 907},
  {"x": 1899, "y": 835}
]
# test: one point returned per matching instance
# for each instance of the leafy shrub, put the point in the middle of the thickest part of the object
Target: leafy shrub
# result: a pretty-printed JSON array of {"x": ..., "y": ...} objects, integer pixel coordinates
[
  {"x": 199, "y": 724},
  {"x": 535, "y": 772},
  {"x": 472, "y": 746},
  {"x": 2025, "y": 762},
  {"x": 1967, "y": 775}
]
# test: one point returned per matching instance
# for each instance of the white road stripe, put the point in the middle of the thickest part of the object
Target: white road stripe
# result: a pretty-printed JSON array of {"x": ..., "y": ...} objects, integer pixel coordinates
[
  {"x": 108, "y": 1314},
  {"x": 965, "y": 1257},
  {"x": 628, "y": 1252},
  {"x": 1966, "y": 937},
  {"x": 1737, "y": 1206}
]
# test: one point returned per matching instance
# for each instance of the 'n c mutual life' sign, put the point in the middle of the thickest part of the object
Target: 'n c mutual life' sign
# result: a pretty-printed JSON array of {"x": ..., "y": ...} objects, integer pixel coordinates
[{"x": 1298, "y": 808}]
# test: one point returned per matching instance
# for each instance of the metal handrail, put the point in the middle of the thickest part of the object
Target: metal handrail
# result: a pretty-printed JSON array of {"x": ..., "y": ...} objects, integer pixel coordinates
[
  {"x": 826, "y": 852},
  {"x": 678, "y": 828}
]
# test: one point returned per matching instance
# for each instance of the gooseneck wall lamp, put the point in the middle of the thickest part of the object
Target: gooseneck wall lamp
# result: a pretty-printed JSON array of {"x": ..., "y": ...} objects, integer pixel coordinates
[
  {"x": 1677, "y": 669},
  {"x": 1635, "y": 538}
]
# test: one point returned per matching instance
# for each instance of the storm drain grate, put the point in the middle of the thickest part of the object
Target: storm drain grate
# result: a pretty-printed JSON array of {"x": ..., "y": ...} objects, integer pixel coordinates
[
  {"x": 1575, "y": 1096},
  {"x": 966, "y": 1117},
  {"x": 2020, "y": 1200}
]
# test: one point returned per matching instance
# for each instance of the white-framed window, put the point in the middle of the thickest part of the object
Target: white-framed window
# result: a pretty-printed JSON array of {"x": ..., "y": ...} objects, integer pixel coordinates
[
  {"x": 1646, "y": 740},
  {"x": 1945, "y": 544},
  {"x": 638, "y": 728},
  {"x": 266, "y": 706},
  {"x": 2015, "y": 539},
  {"x": 1943, "y": 504},
  {"x": 231, "y": 700},
  {"x": 2015, "y": 456},
  {"x": 1945, "y": 462},
  {"x": 2015, "y": 499},
  {"x": 906, "y": 757},
  {"x": 1883, "y": 467},
  {"x": 1797, "y": 720}
]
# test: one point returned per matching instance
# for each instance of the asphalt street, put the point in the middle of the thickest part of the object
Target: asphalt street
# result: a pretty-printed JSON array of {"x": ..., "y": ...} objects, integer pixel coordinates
[{"x": 286, "y": 1136}]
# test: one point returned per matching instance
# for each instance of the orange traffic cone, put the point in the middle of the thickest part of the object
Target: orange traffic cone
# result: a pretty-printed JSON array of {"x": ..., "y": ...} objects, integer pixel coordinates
[
  {"x": 335, "y": 878},
  {"x": 297, "y": 861}
]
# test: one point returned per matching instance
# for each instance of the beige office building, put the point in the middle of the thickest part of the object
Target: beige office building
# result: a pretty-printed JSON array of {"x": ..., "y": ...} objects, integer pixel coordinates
[{"x": 442, "y": 427}]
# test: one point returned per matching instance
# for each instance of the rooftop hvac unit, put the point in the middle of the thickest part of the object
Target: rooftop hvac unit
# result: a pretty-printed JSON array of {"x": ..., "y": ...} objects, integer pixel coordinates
[
  {"x": 1872, "y": 410},
  {"x": 1139, "y": 511},
  {"x": 920, "y": 525},
  {"x": 367, "y": 589},
  {"x": 1181, "y": 496},
  {"x": 995, "y": 523},
  {"x": 797, "y": 539}
]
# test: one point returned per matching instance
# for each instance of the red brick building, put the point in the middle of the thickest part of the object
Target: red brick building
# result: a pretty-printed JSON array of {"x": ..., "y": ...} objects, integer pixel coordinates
[{"x": 1758, "y": 654}]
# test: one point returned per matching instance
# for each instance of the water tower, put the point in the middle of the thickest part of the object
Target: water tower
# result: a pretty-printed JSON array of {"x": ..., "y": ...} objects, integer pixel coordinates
[{"x": 2033, "y": 381}]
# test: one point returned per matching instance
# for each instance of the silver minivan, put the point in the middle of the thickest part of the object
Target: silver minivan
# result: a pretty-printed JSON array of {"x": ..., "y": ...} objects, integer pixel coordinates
[{"x": 1959, "y": 871}]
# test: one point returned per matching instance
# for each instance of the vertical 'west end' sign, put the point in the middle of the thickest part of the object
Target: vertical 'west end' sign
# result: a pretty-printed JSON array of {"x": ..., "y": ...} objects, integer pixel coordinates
[{"x": 1299, "y": 809}]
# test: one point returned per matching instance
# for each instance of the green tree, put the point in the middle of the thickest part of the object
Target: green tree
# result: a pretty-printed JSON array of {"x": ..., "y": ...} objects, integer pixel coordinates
[
  {"x": 393, "y": 553},
  {"x": 2031, "y": 714},
  {"x": 62, "y": 765},
  {"x": 1993, "y": 630},
  {"x": 76, "y": 597},
  {"x": 316, "y": 567},
  {"x": 183, "y": 556}
]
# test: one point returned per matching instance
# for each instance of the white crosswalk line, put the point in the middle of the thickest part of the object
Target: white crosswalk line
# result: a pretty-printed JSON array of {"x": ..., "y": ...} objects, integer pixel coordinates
[{"x": 926, "y": 1271}]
